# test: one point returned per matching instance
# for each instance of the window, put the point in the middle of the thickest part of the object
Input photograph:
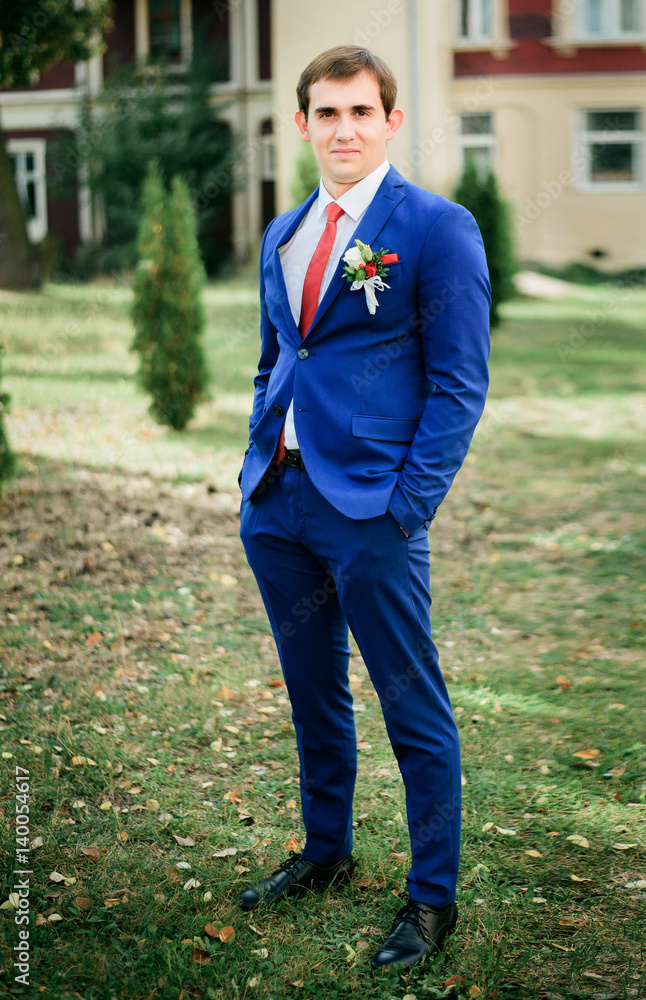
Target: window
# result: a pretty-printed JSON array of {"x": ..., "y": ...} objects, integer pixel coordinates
[
  {"x": 475, "y": 20},
  {"x": 165, "y": 29},
  {"x": 477, "y": 140},
  {"x": 611, "y": 149},
  {"x": 611, "y": 18},
  {"x": 27, "y": 158}
]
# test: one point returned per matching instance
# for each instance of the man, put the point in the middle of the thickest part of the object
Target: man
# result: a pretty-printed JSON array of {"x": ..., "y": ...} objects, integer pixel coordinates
[{"x": 362, "y": 415}]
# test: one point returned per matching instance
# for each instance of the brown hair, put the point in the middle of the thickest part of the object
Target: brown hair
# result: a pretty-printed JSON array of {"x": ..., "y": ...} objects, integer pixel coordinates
[{"x": 342, "y": 63}]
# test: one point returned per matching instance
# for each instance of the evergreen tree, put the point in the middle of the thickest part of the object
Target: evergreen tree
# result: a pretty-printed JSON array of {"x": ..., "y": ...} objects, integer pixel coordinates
[
  {"x": 149, "y": 113},
  {"x": 167, "y": 312},
  {"x": 480, "y": 195},
  {"x": 307, "y": 175},
  {"x": 7, "y": 459}
]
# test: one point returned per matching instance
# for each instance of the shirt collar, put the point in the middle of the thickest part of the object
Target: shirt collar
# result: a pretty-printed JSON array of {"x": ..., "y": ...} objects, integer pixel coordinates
[{"x": 356, "y": 199}]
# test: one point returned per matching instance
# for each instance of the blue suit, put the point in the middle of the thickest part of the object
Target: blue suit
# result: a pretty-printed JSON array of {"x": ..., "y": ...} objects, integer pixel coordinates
[{"x": 385, "y": 407}]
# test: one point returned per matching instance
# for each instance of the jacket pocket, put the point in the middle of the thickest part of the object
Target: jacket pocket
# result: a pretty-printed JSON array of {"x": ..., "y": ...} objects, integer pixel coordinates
[{"x": 384, "y": 428}]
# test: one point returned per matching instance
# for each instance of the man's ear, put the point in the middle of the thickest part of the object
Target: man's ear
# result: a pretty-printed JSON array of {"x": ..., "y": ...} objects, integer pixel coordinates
[
  {"x": 394, "y": 122},
  {"x": 301, "y": 121}
]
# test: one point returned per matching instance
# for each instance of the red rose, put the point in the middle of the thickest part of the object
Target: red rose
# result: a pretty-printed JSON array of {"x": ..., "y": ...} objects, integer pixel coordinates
[{"x": 371, "y": 269}]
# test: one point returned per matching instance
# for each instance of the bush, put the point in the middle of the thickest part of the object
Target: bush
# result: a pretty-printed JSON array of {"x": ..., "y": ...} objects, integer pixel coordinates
[
  {"x": 167, "y": 311},
  {"x": 307, "y": 175},
  {"x": 7, "y": 458},
  {"x": 480, "y": 195},
  {"x": 146, "y": 114}
]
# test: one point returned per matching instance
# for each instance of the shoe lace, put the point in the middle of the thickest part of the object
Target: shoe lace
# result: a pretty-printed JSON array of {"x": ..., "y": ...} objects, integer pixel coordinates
[
  {"x": 412, "y": 913},
  {"x": 290, "y": 863}
]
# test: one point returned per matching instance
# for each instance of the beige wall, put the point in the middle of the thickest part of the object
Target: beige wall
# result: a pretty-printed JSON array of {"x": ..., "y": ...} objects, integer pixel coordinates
[
  {"x": 303, "y": 30},
  {"x": 534, "y": 119}
]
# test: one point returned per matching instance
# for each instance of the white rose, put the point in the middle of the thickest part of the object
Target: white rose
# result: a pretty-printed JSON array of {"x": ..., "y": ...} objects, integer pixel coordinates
[{"x": 352, "y": 257}]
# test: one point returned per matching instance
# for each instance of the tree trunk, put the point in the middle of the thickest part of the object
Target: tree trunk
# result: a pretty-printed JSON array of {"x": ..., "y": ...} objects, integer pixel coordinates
[{"x": 18, "y": 260}]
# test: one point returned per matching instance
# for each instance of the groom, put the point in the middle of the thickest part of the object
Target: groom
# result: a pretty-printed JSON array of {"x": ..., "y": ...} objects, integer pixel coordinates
[{"x": 363, "y": 413}]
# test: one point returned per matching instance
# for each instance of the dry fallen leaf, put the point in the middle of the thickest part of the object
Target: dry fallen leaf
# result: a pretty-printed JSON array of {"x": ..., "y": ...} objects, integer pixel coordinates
[
  {"x": 474, "y": 991},
  {"x": 563, "y": 682},
  {"x": 586, "y": 754},
  {"x": 578, "y": 840},
  {"x": 534, "y": 854},
  {"x": 506, "y": 830},
  {"x": 226, "y": 934},
  {"x": 57, "y": 877},
  {"x": 92, "y": 852},
  {"x": 624, "y": 847},
  {"x": 212, "y": 931},
  {"x": 184, "y": 841},
  {"x": 575, "y": 878},
  {"x": 228, "y": 852},
  {"x": 487, "y": 827},
  {"x": 82, "y": 902},
  {"x": 200, "y": 956},
  {"x": 291, "y": 844}
]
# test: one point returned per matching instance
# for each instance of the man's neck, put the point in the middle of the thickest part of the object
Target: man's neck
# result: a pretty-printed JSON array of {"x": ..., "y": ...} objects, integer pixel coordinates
[{"x": 336, "y": 189}]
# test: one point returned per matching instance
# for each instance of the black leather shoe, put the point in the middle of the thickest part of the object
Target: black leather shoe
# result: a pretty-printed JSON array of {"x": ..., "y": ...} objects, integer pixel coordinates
[
  {"x": 294, "y": 877},
  {"x": 417, "y": 931}
]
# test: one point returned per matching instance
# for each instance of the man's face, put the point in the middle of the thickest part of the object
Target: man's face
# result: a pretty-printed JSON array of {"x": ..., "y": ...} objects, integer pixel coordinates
[{"x": 348, "y": 129}]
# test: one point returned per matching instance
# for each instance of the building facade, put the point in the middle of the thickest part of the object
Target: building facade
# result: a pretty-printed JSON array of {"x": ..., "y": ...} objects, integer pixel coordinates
[{"x": 550, "y": 94}]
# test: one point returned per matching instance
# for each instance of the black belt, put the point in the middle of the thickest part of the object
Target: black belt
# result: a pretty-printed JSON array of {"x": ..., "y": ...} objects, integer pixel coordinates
[{"x": 293, "y": 457}]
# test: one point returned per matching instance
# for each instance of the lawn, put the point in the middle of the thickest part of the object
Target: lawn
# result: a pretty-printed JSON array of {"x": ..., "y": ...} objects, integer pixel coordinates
[{"x": 141, "y": 696}]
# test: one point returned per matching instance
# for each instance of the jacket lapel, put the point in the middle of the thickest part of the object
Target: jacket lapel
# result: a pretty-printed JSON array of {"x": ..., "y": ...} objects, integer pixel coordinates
[
  {"x": 284, "y": 230},
  {"x": 388, "y": 196}
]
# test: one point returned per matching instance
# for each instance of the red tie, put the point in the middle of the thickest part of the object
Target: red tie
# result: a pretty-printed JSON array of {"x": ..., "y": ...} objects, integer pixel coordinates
[
  {"x": 312, "y": 286},
  {"x": 314, "y": 276}
]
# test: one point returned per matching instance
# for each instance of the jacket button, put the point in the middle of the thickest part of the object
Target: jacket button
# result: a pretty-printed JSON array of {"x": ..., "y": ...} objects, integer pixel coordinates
[
  {"x": 278, "y": 410},
  {"x": 302, "y": 353}
]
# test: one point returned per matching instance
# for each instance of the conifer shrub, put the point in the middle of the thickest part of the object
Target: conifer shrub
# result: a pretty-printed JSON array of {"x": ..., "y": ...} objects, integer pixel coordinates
[
  {"x": 479, "y": 193},
  {"x": 167, "y": 311}
]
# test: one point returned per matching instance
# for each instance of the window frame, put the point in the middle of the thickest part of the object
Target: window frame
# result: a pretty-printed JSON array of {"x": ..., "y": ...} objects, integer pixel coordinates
[
  {"x": 37, "y": 228},
  {"x": 611, "y": 27},
  {"x": 476, "y": 140},
  {"x": 583, "y": 158},
  {"x": 142, "y": 33}
]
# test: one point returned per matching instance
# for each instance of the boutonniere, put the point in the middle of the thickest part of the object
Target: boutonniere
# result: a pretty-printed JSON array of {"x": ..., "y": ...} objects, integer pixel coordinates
[{"x": 366, "y": 269}]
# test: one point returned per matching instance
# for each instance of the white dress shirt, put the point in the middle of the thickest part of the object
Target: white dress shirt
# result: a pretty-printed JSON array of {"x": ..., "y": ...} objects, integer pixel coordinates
[{"x": 295, "y": 255}]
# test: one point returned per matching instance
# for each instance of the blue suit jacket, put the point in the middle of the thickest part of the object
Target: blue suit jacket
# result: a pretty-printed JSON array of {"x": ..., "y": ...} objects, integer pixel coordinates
[{"x": 385, "y": 406}]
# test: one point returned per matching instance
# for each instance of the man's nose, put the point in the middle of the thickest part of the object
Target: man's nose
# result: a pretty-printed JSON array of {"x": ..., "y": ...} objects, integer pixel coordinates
[{"x": 345, "y": 128}]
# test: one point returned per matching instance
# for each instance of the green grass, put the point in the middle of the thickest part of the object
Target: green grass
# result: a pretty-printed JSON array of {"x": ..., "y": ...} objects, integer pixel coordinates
[{"x": 132, "y": 636}]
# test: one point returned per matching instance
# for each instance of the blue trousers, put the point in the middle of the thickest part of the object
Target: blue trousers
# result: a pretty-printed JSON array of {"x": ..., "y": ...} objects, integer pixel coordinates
[{"x": 319, "y": 571}]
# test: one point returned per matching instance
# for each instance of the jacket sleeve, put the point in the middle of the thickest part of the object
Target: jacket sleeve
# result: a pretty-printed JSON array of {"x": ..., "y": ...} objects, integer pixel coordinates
[{"x": 454, "y": 298}]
